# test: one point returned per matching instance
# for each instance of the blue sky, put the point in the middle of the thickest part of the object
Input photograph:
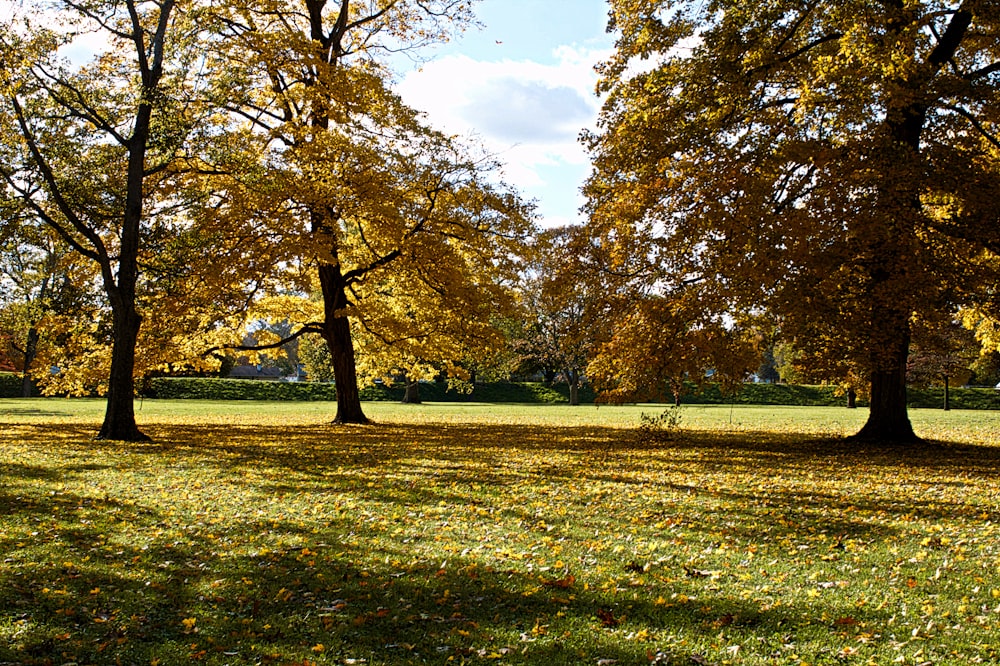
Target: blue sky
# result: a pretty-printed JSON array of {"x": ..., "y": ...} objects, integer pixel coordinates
[{"x": 523, "y": 87}]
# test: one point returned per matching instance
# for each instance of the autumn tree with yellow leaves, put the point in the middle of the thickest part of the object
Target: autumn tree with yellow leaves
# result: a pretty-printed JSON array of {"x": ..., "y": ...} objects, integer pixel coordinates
[
  {"x": 404, "y": 231},
  {"x": 113, "y": 151},
  {"x": 41, "y": 280},
  {"x": 831, "y": 164},
  {"x": 86, "y": 145}
]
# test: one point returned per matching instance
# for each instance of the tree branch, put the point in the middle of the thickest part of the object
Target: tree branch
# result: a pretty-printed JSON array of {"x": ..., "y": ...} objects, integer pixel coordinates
[
  {"x": 965, "y": 113},
  {"x": 85, "y": 112},
  {"x": 946, "y": 47},
  {"x": 982, "y": 72},
  {"x": 358, "y": 273},
  {"x": 99, "y": 252},
  {"x": 312, "y": 327}
]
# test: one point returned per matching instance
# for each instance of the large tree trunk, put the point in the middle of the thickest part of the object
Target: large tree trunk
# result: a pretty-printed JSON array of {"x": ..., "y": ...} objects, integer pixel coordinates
[
  {"x": 890, "y": 346},
  {"x": 887, "y": 418},
  {"x": 119, "y": 416},
  {"x": 337, "y": 333}
]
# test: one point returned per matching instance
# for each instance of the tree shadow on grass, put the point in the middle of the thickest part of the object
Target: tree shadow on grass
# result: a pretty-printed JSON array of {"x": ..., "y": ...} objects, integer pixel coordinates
[
  {"x": 98, "y": 599},
  {"x": 424, "y": 464},
  {"x": 98, "y": 578}
]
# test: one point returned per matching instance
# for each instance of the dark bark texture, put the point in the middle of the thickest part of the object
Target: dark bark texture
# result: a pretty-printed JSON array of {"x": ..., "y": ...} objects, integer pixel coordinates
[{"x": 337, "y": 334}]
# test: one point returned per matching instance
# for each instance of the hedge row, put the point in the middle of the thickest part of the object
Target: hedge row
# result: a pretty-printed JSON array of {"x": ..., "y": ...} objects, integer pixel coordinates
[
  {"x": 201, "y": 388},
  {"x": 822, "y": 396},
  {"x": 526, "y": 392},
  {"x": 959, "y": 398},
  {"x": 533, "y": 392},
  {"x": 767, "y": 394}
]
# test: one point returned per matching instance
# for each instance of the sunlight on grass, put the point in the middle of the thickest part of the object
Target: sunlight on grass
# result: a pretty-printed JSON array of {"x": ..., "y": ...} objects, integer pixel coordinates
[{"x": 257, "y": 533}]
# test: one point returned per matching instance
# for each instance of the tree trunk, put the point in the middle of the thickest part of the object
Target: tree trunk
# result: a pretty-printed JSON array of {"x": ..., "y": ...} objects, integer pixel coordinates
[
  {"x": 30, "y": 352},
  {"x": 892, "y": 284},
  {"x": 337, "y": 333},
  {"x": 852, "y": 399},
  {"x": 119, "y": 416},
  {"x": 574, "y": 387},
  {"x": 887, "y": 417},
  {"x": 947, "y": 396},
  {"x": 893, "y": 238},
  {"x": 31, "y": 343},
  {"x": 411, "y": 395}
]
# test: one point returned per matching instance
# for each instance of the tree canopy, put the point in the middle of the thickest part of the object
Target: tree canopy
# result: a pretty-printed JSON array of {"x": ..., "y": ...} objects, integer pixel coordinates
[
  {"x": 402, "y": 229},
  {"x": 830, "y": 164}
]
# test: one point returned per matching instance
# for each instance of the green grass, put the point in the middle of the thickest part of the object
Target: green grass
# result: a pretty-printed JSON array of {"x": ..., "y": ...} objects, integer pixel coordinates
[{"x": 256, "y": 533}]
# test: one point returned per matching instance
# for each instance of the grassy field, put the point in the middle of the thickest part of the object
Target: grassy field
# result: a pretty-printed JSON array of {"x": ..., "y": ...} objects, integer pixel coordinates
[{"x": 255, "y": 533}]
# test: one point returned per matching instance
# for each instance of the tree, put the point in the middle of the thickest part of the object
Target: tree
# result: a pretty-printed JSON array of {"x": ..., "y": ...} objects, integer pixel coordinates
[
  {"x": 399, "y": 222},
  {"x": 563, "y": 306},
  {"x": 817, "y": 363},
  {"x": 86, "y": 145},
  {"x": 942, "y": 352},
  {"x": 986, "y": 369},
  {"x": 807, "y": 160},
  {"x": 767, "y": 372},
  {"x": 128, "y": 159},
  {"x": 660, "y": 344},
  {"x": 36, "y": 275},
  {"x": 315, "y": 357}
]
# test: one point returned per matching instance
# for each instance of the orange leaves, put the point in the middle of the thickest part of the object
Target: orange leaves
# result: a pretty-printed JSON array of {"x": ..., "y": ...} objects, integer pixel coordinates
[
  {"x": 771, "y": 208},
  {"x": 561, "y": 583}
]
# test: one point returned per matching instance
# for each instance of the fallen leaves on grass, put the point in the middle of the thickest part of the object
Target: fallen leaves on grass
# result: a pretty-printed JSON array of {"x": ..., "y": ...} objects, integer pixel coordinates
[{"x": 284, "y": 544}]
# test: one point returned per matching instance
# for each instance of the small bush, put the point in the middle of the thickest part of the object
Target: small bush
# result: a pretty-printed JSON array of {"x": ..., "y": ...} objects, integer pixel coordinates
[
  {"x": 662, "y": 426},
  {"x": 10, "y": 385}
]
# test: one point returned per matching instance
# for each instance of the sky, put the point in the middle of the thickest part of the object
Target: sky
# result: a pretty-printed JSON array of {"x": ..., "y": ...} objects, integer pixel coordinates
[{"x": 523, "y": 87}]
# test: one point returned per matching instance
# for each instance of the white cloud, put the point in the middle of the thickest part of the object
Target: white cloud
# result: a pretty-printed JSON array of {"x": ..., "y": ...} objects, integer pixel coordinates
[
  {"x": 529, "y": 111},
  {"x": 529, "y": 114}
]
